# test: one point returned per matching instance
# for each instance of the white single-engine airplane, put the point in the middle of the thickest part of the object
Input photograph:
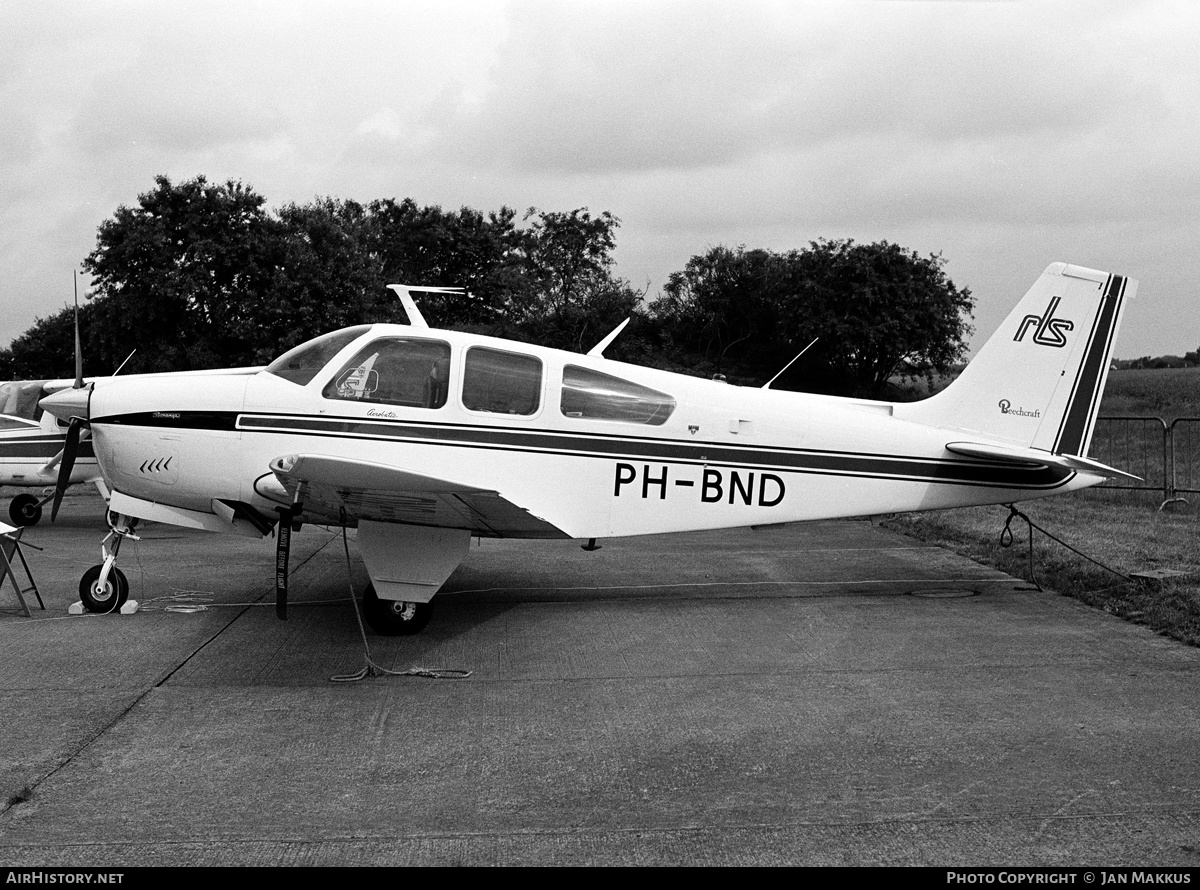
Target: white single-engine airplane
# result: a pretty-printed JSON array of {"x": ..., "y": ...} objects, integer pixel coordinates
[
  {"x": 424, "y": 438},
  {"x": 31, "y": 446}
]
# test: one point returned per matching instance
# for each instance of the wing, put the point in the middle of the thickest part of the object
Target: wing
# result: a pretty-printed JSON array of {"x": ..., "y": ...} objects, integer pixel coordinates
[
  {"x": 1035, "y": 457},
  {"x": 382, "y": 493}
]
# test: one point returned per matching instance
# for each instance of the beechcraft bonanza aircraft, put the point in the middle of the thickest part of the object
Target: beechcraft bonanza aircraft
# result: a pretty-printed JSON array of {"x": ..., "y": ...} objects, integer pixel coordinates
[{"x": 424, "y": 438}]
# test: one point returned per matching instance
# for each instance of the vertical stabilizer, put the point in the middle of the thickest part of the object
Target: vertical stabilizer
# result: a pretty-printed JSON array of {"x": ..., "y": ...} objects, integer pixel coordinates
[{"x": 1038, "y": 380}]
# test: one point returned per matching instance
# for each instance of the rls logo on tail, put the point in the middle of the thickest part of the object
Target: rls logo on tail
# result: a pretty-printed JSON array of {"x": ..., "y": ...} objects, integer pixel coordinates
[{"x": 1048, "y": 330}]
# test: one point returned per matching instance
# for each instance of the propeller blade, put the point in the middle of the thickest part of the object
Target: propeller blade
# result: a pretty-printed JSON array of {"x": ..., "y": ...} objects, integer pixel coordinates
[{"x": 70, "y": 450}]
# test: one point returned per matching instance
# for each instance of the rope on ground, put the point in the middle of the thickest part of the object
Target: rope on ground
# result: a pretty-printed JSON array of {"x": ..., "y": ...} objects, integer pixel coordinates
[
  {"x": 370, "y": 668},
  {"x": 1006, "y": 540}
]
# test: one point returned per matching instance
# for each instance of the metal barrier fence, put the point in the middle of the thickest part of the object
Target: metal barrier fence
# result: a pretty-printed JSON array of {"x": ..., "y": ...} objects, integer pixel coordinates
[
  {"x": 1185, "y": 456},
  {"x": 1138, "y": 445},
  {"x": 1166, "y": 456}
]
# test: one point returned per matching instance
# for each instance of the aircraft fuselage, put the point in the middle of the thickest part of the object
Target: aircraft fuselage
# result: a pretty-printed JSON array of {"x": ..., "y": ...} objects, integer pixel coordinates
[{"x": 725, "y": 456}]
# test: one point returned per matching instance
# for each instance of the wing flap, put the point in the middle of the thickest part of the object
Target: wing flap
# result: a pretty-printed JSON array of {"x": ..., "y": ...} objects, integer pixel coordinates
[
  {"x": 382, "y": 493},
  {"x": 1036, "y": 457}
]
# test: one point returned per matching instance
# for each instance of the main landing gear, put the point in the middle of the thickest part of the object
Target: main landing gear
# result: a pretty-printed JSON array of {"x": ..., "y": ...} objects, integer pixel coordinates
[
  {"x": 25, "y": 509},
  {"x": 389, "y": 618},
  {"x": 104, "y": 588}
]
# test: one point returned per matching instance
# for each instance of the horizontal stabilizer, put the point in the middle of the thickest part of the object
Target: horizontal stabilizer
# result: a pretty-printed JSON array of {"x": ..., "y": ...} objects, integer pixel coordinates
[{"x": 1035, "y": 457}]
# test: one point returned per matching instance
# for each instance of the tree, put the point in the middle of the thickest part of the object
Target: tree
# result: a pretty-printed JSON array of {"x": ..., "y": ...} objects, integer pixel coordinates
[
  {"x": 469, "y": 249},
  {"x": 569, "y": 297},
  {"x": 723, "y": 312},
  {"x": 876, "y": 311},
  {"x": 880, "y": 311},
  {"x": 201, "y": 275},
  {"x": 47, "y": 349},
  {"x": 181, "y": 276}
]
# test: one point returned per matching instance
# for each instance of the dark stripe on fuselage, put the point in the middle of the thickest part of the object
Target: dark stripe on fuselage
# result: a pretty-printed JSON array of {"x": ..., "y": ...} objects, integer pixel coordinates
[
  {"x": 631, "y": 448},
  {"x": 1081, "y": 408},
  {"x": 177, "y": 420},
  {"x": 42, "y": 449}
]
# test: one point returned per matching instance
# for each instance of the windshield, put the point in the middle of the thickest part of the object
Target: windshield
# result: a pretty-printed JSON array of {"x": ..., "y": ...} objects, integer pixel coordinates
[{"x": 302, "y": 364}]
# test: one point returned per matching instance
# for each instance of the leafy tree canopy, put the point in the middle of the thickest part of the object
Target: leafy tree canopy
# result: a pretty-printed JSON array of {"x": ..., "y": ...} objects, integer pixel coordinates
[
  {"x": 875, "y": 310},
  {"x": 201, "y": 275}
]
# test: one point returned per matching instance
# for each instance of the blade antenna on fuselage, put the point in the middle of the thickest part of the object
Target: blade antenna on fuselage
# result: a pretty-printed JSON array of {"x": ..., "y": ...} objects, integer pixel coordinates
[
  {"x": 767, "y": 385},
  {"x": 598, "y": 349},
  {"x": 124, "y": 363}
]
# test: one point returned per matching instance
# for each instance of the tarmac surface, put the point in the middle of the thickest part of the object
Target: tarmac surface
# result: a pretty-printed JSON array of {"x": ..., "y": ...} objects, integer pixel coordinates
[{"x": 829, "y": 693}]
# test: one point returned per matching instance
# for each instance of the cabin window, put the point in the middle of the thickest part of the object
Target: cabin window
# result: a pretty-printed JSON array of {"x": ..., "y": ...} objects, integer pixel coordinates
[
  {"x": 395, "y": 371},
  {"x": 596, "y": 396},
  {"x": 501, "y": 382},
  {"x": 301, "y": 364}
]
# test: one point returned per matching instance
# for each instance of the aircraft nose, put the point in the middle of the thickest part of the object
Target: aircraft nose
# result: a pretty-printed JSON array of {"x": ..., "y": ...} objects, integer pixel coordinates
[{"x": 68, "y": 403}]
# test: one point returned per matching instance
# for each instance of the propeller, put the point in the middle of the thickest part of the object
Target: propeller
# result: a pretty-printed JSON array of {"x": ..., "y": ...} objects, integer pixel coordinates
[
  {"x": 73, "y": 399},
  {"x": 73, "y": 406}
]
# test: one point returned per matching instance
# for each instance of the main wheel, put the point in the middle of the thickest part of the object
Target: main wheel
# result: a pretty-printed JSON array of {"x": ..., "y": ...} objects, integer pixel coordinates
[
  {"x": 108, "y": 598},
  {"x": 390, "y": 618},
  {"x": 25, "y": 509}
]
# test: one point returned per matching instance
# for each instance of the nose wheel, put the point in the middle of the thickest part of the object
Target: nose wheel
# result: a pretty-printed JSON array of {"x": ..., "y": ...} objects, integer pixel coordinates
[{"x": 103, "y": 596}]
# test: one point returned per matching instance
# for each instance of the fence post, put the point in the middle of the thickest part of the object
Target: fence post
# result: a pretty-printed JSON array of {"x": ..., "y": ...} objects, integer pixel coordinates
[{"x": 1168, "y": 445}]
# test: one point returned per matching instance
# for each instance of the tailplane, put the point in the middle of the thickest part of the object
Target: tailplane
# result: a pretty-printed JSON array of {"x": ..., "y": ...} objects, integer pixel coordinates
[{"x": 1037, "y": 382}]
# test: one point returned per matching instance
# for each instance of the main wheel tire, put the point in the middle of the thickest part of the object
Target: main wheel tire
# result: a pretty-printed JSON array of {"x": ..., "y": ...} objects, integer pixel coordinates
[
  {"x": 108, "y": 598},
  {"x": 390, "y": 618},
  {"x": 25, "y": 509}
]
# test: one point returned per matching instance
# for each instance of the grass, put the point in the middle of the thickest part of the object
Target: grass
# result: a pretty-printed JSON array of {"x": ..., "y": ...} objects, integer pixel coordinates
[
  {"x": 1124, "y": 530},
  {"x": 1167, "y": 393}
]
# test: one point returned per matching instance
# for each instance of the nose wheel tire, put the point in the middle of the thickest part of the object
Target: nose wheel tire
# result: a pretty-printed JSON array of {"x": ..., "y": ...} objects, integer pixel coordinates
[
  {"x": 107, "y": 598},
  {"x": 25, "y": 509},
  {"x": 390, "y": 618}
]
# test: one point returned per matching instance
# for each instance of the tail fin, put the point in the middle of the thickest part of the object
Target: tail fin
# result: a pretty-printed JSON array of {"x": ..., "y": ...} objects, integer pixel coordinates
[{"x": 1037, "y": 382}]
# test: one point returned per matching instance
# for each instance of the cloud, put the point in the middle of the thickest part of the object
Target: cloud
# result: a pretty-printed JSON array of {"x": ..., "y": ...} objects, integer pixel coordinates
[
  {"x": 661, "y": 86},
  {"x": 996, "y": 133}
]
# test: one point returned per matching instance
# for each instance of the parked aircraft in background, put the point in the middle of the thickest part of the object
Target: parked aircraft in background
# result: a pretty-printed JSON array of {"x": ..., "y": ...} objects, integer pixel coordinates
[
  {"x": 424, "y": 438},
  {"x": 31, "y": 445}
]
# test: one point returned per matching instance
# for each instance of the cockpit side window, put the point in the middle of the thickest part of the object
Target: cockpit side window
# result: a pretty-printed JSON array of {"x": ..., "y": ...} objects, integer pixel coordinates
[
  {"x": 20, "y": 399},
  {"x": 301, "y": 364},
  {"x": 395, "y": 371},
  {"x": 597, "y": 396},
  {"x": 501, "y": 382}
]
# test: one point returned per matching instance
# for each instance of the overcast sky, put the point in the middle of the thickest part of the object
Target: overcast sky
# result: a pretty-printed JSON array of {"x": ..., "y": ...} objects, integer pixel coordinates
[{"x": 1003, "y": 135}]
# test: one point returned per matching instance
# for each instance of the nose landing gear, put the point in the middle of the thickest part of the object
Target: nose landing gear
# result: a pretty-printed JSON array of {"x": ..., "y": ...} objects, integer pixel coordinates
[{"x": 104, "y": 589}]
